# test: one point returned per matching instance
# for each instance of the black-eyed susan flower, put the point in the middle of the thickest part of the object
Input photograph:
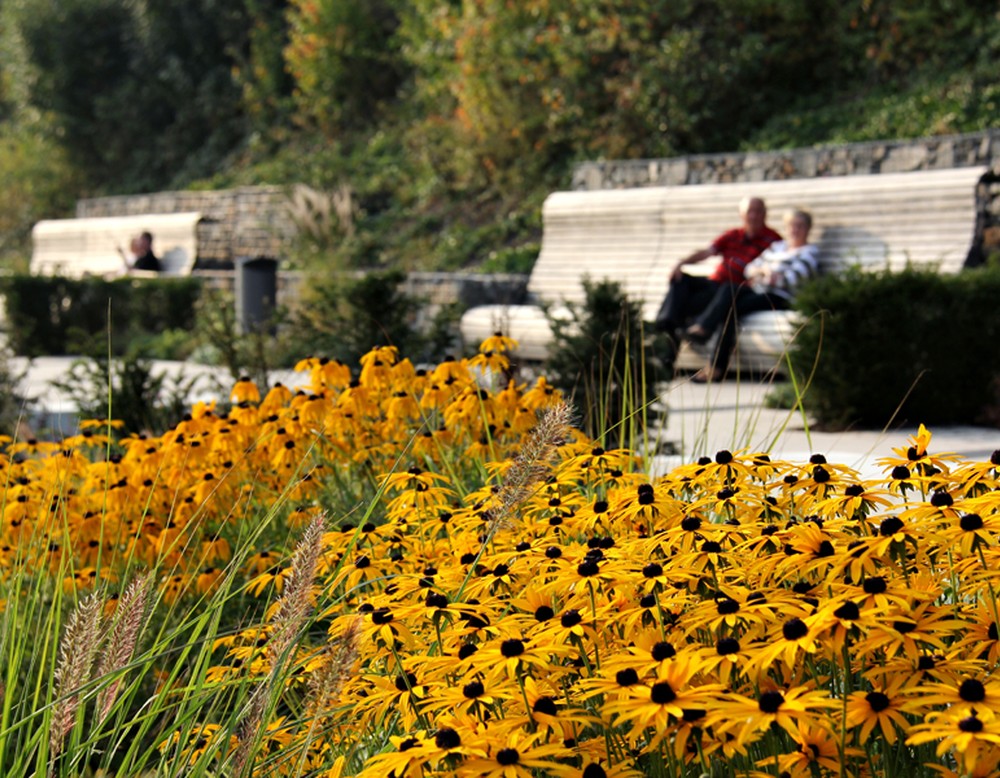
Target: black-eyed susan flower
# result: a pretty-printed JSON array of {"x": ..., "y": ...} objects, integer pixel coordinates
[
  {"x": 748, "y": 718},
  {"x": 911, "y": 631},
  {"x": 406, "y": 760},
  {"x": 817, "y": 748},
  {"x": 661, "y": 698},
  {"x": 975, "y": 478},
  {"x": 518, "y": 755},
  {"x": 549, "y": 711},
  {"x": 244, "y": 391},
  {"x": 880, "y": 707},
  {"x": 970, "y": 694},
  {"x": 203, "y": 742},
  {"x": 916, "y": 456},
  {"x": 509, "y": 656},
  {"x": 973, "y": 739},
  {"x": 493, "y": 353},
  {"x": 970, "y": 531},
  {"x": 472, "y": 695},
  {"x": 727, "y": 656},
  {"x": 855, "y": 501},
  {"x": 790, "y": 639}
]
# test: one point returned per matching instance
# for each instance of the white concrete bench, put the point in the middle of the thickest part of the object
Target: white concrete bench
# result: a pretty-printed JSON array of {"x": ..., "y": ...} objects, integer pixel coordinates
[
  {"x": 636, "y": 236},
  {"x": 79, "y": 247}
]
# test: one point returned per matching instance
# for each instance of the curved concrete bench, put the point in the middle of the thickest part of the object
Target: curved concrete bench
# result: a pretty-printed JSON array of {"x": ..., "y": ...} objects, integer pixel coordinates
[
  {"x": 79, "y": 247},
  {"x": 636, "y": 236}
]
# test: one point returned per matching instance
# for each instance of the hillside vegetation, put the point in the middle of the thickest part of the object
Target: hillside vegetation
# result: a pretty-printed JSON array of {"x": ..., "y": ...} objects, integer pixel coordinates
[{"x": 442, "y": 124}]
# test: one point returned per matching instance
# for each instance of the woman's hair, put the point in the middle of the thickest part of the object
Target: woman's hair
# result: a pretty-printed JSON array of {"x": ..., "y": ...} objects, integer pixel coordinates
[{"x": 800, "y": 214}]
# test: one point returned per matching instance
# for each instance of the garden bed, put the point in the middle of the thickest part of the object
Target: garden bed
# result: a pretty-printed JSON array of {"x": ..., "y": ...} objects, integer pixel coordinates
[{"x": 403, "y": 572}]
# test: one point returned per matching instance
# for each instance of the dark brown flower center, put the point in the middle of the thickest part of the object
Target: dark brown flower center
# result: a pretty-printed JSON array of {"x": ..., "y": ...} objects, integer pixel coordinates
[
  {"x": 512, "y": 648},
  {"x": 794, "y": 629},
  {"x": 508, "y": 756},
  {"x": 848, "y": 612},
  {"x": 447, "y": 739},
  {"x": 970, "y": 522},
  {"x": 970, "y": 724},
  {"x": 662, "y": 693},
  {"x": 972, "y": 690}
]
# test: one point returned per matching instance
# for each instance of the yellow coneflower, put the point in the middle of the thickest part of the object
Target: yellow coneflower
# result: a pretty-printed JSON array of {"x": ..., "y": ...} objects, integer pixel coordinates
[
  {"x": 880, "y": 707},
  {"x": 975, "y": 740}
]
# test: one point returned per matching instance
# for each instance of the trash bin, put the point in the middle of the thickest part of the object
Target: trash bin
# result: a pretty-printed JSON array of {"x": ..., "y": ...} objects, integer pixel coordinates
[{"x": 256, "y": 292}]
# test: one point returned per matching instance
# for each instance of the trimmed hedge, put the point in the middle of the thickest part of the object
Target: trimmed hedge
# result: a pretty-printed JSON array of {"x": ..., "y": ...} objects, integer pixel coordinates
[
  {"x": 51, "y": 315},
  {"x": 921, "y": 343}
]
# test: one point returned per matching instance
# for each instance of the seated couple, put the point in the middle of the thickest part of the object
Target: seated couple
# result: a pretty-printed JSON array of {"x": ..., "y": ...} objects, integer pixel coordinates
[{"x": 758, "y": 271}]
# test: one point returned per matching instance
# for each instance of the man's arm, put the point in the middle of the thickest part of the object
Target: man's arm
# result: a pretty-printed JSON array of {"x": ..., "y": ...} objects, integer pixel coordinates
[{"x": 698, "y": 256}]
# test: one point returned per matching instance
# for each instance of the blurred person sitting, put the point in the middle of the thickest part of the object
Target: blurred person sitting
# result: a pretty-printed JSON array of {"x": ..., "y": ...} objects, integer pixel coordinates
[{"x": 145, "y": 259}]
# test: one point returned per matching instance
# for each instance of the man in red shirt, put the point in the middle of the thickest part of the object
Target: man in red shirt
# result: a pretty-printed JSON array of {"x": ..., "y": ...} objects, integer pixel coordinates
[{"x": 689, "y": 295}]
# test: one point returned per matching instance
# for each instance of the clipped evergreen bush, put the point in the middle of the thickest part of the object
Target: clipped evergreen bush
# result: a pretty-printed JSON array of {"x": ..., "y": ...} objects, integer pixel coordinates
[
  {"x": 51, "y": 315},
  {"x": 901, "y": 347},
  {"x": 341, "y": 317},
  {"x": 128, "y": 389},
  {"x": 599, "y": 360}
]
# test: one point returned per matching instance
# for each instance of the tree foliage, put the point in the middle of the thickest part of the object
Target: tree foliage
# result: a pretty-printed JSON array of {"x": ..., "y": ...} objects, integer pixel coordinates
[
  {"x": 143, "y": 93},
  {"x": 343, "y": 58},
  {"x": 431, "y": 108}
]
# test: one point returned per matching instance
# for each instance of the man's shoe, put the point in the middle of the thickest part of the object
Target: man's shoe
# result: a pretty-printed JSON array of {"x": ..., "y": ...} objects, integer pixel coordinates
[{"x": 697, "y": 334}]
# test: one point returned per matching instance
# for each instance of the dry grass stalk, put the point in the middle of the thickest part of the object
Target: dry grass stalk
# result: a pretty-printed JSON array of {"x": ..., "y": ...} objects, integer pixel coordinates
[
  {"x": 337, "y": 660},
  {"x": 320, "y": 214},
  {"x": 330, "y": 671},
  {"x": 531, "y": 465},
  {"x": 121, "y": 643},
  {"x": 250, "y": 727},
  {"x": 74, "y": 668},
  {"x": 296, "y": 601},
  {"x": 293, "y": 608}
]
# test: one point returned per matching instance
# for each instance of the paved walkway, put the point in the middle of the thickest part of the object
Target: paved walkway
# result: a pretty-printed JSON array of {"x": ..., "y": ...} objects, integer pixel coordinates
[
  {"x": 54, "y": 409},
  {"x": 702, "y": 419}
]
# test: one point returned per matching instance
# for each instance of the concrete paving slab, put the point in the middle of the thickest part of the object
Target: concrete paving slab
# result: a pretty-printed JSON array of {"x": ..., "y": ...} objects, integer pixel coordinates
[
  {"x": 706, "y": 418},
  {"x": 54, "y": 409}
]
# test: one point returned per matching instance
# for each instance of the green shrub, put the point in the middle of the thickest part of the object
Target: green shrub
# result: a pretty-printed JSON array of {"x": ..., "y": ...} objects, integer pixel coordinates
[
  {"x": 907, "y": 347},
  {"x": 252, "y": 353},
  {"x": 50, "y": 315},
  {"x": 15, "y": 405},
  {"x": 345, "y": 60},
  {"x": 342, "y": 317},
  {"x": 599, "y": 360},
  {"x": 512, "y": 259},
  {"x": 127, "y": 390}
]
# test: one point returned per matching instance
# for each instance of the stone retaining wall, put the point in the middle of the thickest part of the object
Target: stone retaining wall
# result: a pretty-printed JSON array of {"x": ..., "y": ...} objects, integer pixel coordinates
[
  {"x": 897, "y": 156},
  {"x": 441, "y": 291},
  {"x": 437, "y": 291}
]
